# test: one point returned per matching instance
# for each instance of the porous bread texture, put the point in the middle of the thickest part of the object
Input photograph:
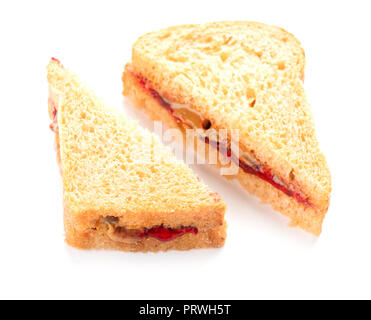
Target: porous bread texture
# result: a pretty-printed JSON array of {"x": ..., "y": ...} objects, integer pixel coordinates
[
  {"x": 113, "y": 167},
  {"x": 245, "y": 76},
  {"x": 212, "y": 238},
  {"x": 301, "y": 215}
]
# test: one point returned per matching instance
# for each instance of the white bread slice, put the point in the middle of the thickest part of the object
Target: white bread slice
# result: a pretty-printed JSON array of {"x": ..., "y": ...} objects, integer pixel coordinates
[
  {"x": 246, "y": 76},
  {"x": 113, "y": 167}
]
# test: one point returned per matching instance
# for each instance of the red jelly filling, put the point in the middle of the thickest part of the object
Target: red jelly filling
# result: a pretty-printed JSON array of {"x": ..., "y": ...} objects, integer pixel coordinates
[
  {"x": 167, "y": 234},
  {"x": 53, "y": 125},
  {"x": 265, "y": 174},
  {"x": 160, "y": 100},
  {"x": 57, "y": 61}
]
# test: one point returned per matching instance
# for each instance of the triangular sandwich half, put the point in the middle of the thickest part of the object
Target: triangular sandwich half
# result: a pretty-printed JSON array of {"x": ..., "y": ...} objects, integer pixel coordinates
[
  {"x": 122, "y": 188},
  {"x": 245, "y": 76}
]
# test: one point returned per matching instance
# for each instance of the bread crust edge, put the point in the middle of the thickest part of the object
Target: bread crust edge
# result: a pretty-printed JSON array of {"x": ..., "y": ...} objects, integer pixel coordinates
[{"x": 95, "y": 239}]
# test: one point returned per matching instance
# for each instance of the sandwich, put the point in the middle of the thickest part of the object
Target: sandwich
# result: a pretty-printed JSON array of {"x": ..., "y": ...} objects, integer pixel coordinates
[
  {"x": 247, "y": 77},
  {"x": 122, "y": 188}
]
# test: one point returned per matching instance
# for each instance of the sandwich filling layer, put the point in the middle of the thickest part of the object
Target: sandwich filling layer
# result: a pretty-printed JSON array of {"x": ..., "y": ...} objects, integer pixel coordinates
[
  {"x": 127, "y": 235},
  {"x": 191, "y": 119}
]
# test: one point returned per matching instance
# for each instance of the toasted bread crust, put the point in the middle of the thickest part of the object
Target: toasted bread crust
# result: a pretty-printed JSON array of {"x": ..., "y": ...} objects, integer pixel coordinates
[
  {"x": 96, "y": 239},
  {"x": 301, "y": 215},
  {"x": 214, "y": 67}
]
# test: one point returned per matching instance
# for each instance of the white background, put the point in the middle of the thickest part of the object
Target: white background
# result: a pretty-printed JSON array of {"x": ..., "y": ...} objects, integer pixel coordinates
[{"x": 262, "y": 258}]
